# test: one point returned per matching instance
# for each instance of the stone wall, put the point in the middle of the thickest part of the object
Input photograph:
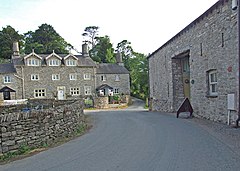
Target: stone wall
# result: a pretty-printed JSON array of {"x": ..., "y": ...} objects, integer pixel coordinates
[
  {"x": 36, "y": 127},
  {"x": 211, "y": 41}
]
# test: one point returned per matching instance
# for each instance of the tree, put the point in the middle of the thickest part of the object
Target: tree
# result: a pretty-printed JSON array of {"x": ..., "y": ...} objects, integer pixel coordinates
[
  {"x": 103, "y": 51},
  {"x": 7, "y": 36},
  {"x": 44, "y": 40},
  {"x": 91, "y": 33},
  {"x": 139, "y": 75},
  {"x": 124, "y": 47}
]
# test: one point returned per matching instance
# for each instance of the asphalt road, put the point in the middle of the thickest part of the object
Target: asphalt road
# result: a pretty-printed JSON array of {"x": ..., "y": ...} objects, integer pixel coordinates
[{"x": 136, "y": 140}]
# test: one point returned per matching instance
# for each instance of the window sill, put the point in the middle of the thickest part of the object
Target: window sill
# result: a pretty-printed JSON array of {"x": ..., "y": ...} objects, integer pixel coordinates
[{"x": 212, "y": 96}]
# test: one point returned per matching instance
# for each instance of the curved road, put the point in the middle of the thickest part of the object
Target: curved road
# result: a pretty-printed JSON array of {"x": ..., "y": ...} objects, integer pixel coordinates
[{"x": 135, "y": 140}]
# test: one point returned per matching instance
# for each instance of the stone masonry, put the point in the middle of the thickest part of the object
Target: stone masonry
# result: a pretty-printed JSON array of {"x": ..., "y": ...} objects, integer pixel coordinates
[
  {"x": 37, "y": 127},
  {"x": 210, "y": 42}
]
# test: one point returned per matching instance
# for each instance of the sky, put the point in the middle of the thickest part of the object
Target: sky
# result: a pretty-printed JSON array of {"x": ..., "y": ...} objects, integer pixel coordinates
[{"x": 147, "y": 24}]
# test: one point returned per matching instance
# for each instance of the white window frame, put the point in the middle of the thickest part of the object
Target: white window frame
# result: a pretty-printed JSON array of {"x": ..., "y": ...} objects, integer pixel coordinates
[
  {"x": 39, "y": 93},
  {"x": 7, "y": 79},
  {"x": 87, "y": 76},
  {"x": 75, "y": 91},
  {"x": 53, "y": 62},
  {"x": 212, "y": 81},
  {"x": 117, "y": 78},
  {"x": 55, "y": 77},
  {"x": 116, "y": 91},
  {"x": 73, "y": 76},
  {"x": 33, "y": 62},
  {"x": 71, "y": 62},
  {"x": 103, "y": 78},
  {"x": 34, "y": 77},
  {"x": 87, "y": 90}
]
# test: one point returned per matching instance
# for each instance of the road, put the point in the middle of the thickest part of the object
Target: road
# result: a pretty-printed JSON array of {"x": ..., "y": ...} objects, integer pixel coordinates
[{"x": 136, "y": 140}]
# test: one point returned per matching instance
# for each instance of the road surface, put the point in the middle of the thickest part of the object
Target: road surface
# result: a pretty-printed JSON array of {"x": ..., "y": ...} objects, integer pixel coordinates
[{"x": 135, "y": 140}]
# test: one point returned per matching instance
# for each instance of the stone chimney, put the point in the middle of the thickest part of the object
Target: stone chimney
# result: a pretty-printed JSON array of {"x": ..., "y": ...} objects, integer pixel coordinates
[
  {"x": 85, "y": 50},
  {"x": 15, "y": 49},
  {"x": 119, "y": 59}
]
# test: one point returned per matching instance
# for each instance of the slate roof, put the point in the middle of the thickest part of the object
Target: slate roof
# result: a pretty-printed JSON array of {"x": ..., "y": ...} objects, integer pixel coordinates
[
  {"x": 7, "y": 68},
  {"x": 82, "y": 61},
  {"x": 106, "y": 68},
  {"x": 103, "y": 86}
]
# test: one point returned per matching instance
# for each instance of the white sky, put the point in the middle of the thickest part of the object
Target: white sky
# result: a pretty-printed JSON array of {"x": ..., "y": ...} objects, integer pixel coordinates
[{"x": 147, "y": 24}]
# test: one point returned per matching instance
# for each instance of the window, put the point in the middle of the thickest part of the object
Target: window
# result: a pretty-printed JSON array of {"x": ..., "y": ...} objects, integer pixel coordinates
[
  {"x": 33, "y": 62},
  {"x": 116, "y": 91},
  {"x": 34, "y": 77},
  {"x": 74, "y": 91},
  {"x": 71, "y": 62},
  {"x": 53, "y": 62},
  {"x": 87, "y": 90},
  {"x": 87, "y": 76},
  {"x": 117, "y": 78},
  {"x": 55, "y": 77},
  {"x": 103, "y": 77},
  {"x": 212, "y": 80},
  {"x": 7, "y": 79},
  {"x": 39, "y": 93},
  {"x": 73, "y": 76}
]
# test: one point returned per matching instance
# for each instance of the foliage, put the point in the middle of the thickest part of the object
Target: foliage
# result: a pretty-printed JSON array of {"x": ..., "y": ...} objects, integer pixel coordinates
[
  {"x": 124, "y": 47},
  {"x": 139, "y": 75},
  {"x": 90, "y": 34},
  {"x": 103, "y": 51},
  {"x": 7, "y": 36},
  {"x": 44, "y": 40}
]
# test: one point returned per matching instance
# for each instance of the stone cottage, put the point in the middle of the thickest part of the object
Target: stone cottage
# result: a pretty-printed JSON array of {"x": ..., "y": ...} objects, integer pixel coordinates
[
  {"x": 200, "y": 63},
  {"x": 58, "y": 76}
]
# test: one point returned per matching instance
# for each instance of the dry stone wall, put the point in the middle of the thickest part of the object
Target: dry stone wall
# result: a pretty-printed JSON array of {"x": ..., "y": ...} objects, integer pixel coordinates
[{"x": 37, "y": 127}]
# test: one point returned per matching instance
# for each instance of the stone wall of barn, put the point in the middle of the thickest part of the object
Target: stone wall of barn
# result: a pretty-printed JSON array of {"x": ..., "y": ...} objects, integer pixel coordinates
[{"x": 211, "y": 41}]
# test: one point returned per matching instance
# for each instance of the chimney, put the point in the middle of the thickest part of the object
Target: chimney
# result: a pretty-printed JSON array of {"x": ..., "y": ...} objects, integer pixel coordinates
[
  {"x": 119, "y": 59},
  {"x": 85, "y": 50},
  {"x": 15, "y": 49}
]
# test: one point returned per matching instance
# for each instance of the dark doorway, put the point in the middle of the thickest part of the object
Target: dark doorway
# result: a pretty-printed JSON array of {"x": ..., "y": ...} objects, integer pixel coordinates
[
  {"x": 6, "y": 95},
  {"x": 6, "y": 92}
]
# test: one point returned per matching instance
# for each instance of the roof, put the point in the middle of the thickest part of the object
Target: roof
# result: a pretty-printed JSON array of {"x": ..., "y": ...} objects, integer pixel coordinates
[
  {"x": 7, "y": 68},
  {"x": 82, "y": 60},
  {"x": 205, "y": 14},
  {"x": 4, "y": 89},
  {"x": 103, "y": 86},
  {"x": 107, "y": 68}
]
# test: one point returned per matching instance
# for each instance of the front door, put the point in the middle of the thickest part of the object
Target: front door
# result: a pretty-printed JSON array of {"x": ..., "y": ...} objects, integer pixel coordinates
[
  {"x": 61, "y": 93},
  {"x": 186, "y": 76},
  {"x": 6, "y": 95}
]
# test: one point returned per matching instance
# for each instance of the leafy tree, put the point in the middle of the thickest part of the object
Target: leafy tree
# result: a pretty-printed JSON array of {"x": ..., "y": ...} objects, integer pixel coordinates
[
  {"x": 7, "y": 36},
  {"x": 124, "y": 47},
  {"x": 103, "y": 51},
  {"x": 91, "y": 33},
  {"x": 44, "y": 40},
  {"x": 139, "y": 75}
]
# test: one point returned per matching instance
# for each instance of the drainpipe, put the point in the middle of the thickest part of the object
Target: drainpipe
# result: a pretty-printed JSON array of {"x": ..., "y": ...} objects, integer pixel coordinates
[
  {"x": 22, "y": 79},
  {"x": 238, "y": 30}
]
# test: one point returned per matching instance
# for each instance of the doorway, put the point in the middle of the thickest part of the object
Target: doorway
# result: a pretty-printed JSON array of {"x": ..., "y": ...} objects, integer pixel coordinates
[
  {"x": 61, "y": 93},
  {"x": 186, "y": 76},
  {"x": 6, "y": 95}
]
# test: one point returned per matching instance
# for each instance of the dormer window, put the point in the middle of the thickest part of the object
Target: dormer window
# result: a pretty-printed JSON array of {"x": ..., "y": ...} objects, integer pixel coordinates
[
  {"x": 33, "y": 62},
  {"x": 53, "y": 62},
  {"x": 71, "y": 62},
  {"x": 33, "y": 59}
]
